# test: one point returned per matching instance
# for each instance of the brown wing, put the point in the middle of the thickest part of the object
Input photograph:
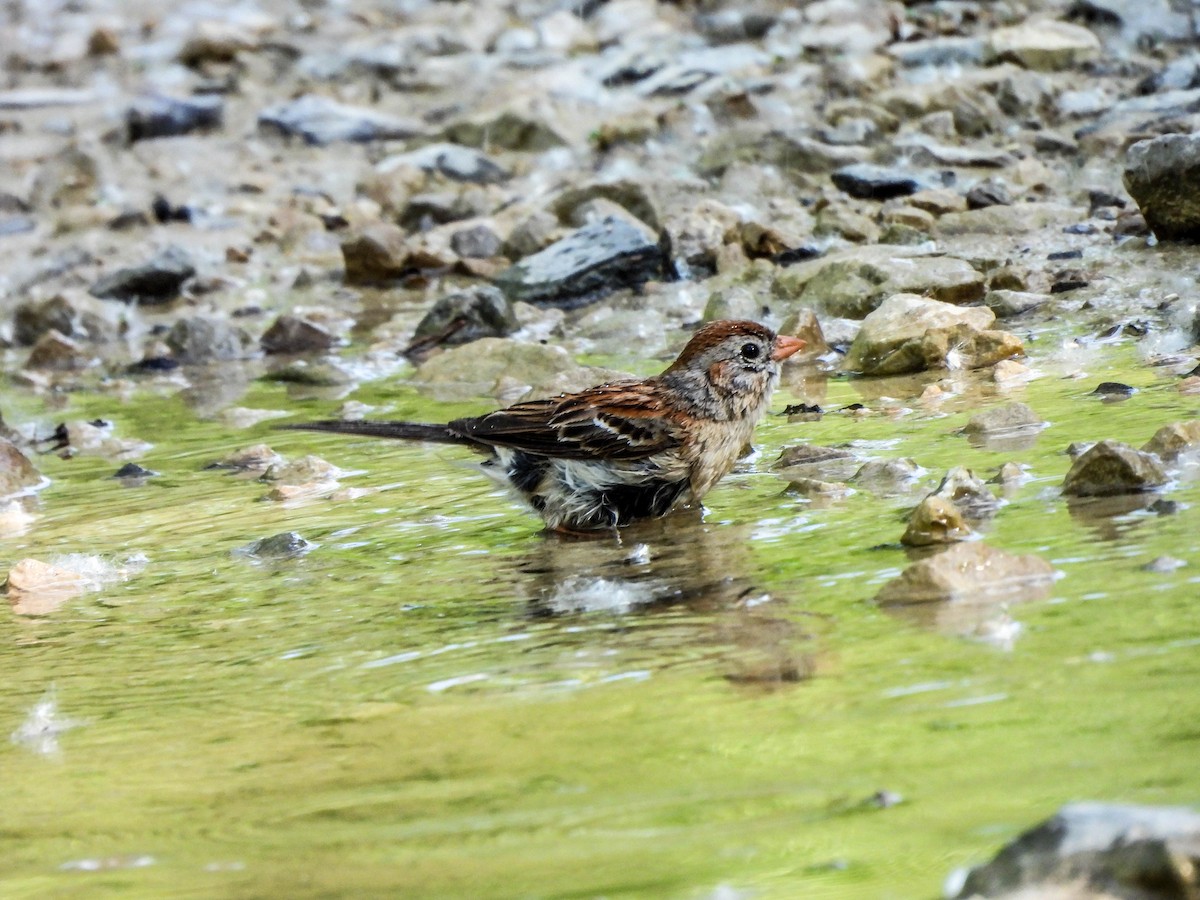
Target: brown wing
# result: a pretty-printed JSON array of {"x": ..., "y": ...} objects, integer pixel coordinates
[{"x": 621, "y": 420}]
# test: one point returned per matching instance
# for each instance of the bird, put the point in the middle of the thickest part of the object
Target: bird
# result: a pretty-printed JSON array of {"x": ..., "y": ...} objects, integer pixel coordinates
[{"x": 608, "y": 456}]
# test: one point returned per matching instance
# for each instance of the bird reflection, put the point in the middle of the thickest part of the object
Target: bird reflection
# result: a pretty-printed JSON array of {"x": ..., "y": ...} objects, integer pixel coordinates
[{"x": 678, "y": 573}]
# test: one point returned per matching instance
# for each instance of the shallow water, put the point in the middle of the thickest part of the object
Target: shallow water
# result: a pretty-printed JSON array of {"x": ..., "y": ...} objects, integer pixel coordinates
[{"x": 440, "y": 700}]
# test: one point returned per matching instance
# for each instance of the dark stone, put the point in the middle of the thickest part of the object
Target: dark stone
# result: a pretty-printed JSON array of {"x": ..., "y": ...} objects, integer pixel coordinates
[
  {"x": 158, "y": 116},
  {"x": 32, "y": 319},
  {"x": 988, "y": 193},
  {"x": 155, "y": 282},
  {"x": 588, "y": 264},
  {"x": 164, "y": 211},
  {"x": 290, "y": 334},
  {"x": 1114, "y": 389},
  {"x": 133, "y": 471},
  {"x": 1182, "y": 74},
  {"x": 1065, "y": 254},
  {"x": 286, "y": 545},
  {"x": 1163, "y": 177},
  {"x": 1098, "y": 849},
  {"x": 870, "y": 182},
  {"x": 319, "y": 120},
  {"x": 478, "y": 242},
  {"x": 464, "y": 317},
  {"x": 1109, "y": 468}
]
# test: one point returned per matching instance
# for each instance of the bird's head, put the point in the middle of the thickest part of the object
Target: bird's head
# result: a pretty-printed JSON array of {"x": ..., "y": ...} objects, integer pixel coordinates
[{"x": 734, "y": 363}]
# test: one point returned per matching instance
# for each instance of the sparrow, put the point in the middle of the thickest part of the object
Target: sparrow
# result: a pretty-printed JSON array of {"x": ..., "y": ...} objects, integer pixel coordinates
[{"x": 626, "y": 450}]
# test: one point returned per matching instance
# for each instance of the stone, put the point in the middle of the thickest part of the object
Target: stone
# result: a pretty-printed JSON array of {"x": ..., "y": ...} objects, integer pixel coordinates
[
  {"x": 1096, "y": 849},
  {"x": 1046, "y": 45},
  {"x": 1002, "y": 420},
  {"x": 1173, "y": 441},
  {"x": 938, "y": 201},
  {"x": 1163, "y": 177},
  {"x": 57, "y": 352},
  {"x": 940, "y": 51},
  {"x": 923, "y": 152},
  {"x": 1006, "y": 304},
  {"x": 255, "y": 460},
  {"x": 68, "y": 178},
  {"x": 1142, "y": 22},
  {"x": 698, "y": 236},
  {"x": 854, "y": 285},
  {"x": 887, "y": 476},
  {"x": 204, "y": 339},
  {"x": 1020, "y": 218},
  {"x": 285, "y": 545},
  {"x": 377, "y": 253},
  {"x": 159, "y": 117},
  {"x": 509, "y": 131},
  {"x": 630, "y": 195},
  {"x": 936, "y": 520},
  {"x": 588, "y": 264},
  {"x": 292, "y": 334},
  {"x": 466, "y": 316},
  {"x": 77, "y": 317},
  {"x": 476, "y": 242},
  {"x": 1110, "y": 468},
  {"x": 990, "y": 192},
  {"x": 483, "y": 366},
  {"x": 968, "y": 573},
  {"x": 319, "y": 120},
  {"x": 453, "y": 161},
  {"x": 909, "y": 333},
  {"x": 870, "y": 182},
  {"x": 533, "y": 233},
  {"x": 36, "y": 588},
  {"x": 153, "y": 283},
  {"x": 17, "y": 473},
  {"x": 968, "y": 493},
  {"x": 839, "y": 219}
]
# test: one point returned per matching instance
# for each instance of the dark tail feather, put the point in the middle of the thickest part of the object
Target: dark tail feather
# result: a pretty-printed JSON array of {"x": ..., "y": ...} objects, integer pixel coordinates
[{"x": 405, "y": 431}]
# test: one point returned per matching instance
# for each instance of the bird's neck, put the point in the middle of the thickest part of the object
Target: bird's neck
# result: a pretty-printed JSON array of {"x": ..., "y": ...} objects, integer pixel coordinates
[{"x": 700, "y": 396}]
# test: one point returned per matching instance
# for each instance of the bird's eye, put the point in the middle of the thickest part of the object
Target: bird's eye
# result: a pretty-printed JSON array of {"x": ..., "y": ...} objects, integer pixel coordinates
[{"x": 751, "y": 351}]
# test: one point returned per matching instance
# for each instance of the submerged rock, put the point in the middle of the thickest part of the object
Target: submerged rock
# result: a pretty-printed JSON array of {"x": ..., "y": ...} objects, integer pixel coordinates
[
  {"x": 1097, "y": 850},
  {"x": 36, "y": 588},
  {"x": 466, "y": 316},
  {"x": 594, "y": 261},
  {"x": 319, "y": 120},
  {"x": 286, "y": 545},
  {"x": 973, "y": 573},
  {"x": 936, "y": 520},
  {"x": 1174, "y": 440},
  {"x": 1110, "y": 468},
  {"x": 1004, "y": 420},
  {"x": 1163, "y": 177},
  {"x": 968, "y": 493}
]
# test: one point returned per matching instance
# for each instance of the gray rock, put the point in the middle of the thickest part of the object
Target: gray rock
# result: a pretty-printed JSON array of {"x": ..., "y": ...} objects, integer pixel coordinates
[
  {"x": 908, "y": 333},
  {"x": 1098, "y": 849},
  {"x": 1006, "y": 304},
  {"x": 940, "y": 51},
  {"x": 17, "y": 473},
  {"x": 590, "y": 263},
  {"x": 1020, "y": 218},
  {"x": 377, "y": 253},
  {"x": 153, "y": 283},
  {"x": 476, "y": 242},
  {"x": 319, "y": 120},
  {"x": 79, "y": 318},
  {"x": 286, "y": 545},
  {"x": 991, "y": 192},
  {"x": 1045, "y": 45},
  {"x": 467, "y": 316},
  {"x": 630, "y": 195},
  {"x": 1110, "y": 468},
  {"x": 508, "y": 131},
  {"x": 158, "y": 116},
  {"x": 887, "y": 476},
  {"x": 968, "y": 573},
  {"x": 68, "y": 178},
  {"x": 853, "y": 285},
  {"x": 871, "y": 182},
  {"x": 1156, "y": 20},
  {"x": 926, "y": 153},
  {"x": 1144, "y": 116},
  {"x": 203, "y": 339},
  {"x": 1163, "y": 177},
  {"x": 968, "y": 493},
  {"x": 291, "y": 334},
  {"x": 1181, "y": 74},
  {"x": 454, "y": 161},
  {"x": 534, "y": 233},
  {"x": 1004, "y": 420},
  {"x": 493, "y": 366}
]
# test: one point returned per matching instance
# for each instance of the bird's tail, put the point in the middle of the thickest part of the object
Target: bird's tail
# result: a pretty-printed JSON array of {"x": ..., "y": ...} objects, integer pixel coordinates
[{"x": 404, "y": 431}]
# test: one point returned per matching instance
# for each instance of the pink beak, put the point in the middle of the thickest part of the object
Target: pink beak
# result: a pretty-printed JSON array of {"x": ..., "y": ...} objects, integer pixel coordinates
[{"x": 785, "y": 346}]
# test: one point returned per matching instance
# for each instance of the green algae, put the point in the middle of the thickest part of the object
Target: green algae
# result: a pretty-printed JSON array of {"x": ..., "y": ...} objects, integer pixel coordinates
[{"x": 408, "y": 711}]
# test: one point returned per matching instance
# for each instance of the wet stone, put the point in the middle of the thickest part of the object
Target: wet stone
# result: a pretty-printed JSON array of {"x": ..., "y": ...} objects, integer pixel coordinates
[
  {"x": 936, "y": 520},
  {"x": 988, "y": 193},
  {"x": 477, "y": 242},
  {"x": 590, "y": 263},
  {"x": 454, "y": 161},
  {"x": 1173, "y": 441},
  {"x": 77, "y": 317},
  {"x": 970, "y": 572},
  {"x": 968, "y": 493},
  {"x": 1163, "y": 177},
  {"x": 319, "y": 120},
  {"x": 17, "y": 473},
  {"x": 1164, "y": 565},
  {"x": 870, "y": 182},
  {"x": 133, "y": 472},
  {"x": 1006, "y": 304},
  {"x": 286, "y": 545},
  {"x": 466, "y": 316},
  {"x": 291, "y": 334},
  {"x": 378, "y": 253},
  {"x": 156, "y": 282},
  {"x": 1110, "y": 468},
  {"x": 36, "y": 588},
  {"x": 57, "y": 352},
  {"x": 1114, "y": 390},
  {"x": 887, "y": 476},
  {"x": 203, "y": 339},
  {"x": 159, "y": 117}
]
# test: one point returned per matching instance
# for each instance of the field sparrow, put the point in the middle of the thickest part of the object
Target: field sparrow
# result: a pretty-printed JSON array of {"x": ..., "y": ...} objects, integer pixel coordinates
[{"x": 626, "y": 450}]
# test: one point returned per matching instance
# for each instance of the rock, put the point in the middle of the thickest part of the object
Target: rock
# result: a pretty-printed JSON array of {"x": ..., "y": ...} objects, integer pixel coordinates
[
  {"x": 56, "y": 352},
  {"x": 923, "y": 152},
  {"x": 1173, "y": 441},
  {"x": 204, "y": 339},
  {"x": 938, "y": 201},
  {"x": 1164, "y": 565},
  {"x": 77, "y": 317},
  {"x": 887, "y": 476},
  {"x": 159, "y": 117},
  {"x": 319, "y": 120},
  {"x": 936, "y": 520},
  {"x": 590, "y": 263},
  {"x": 991, "y": 192},
  {"x": 855, "y": 285},
  {"x": 36, "y": 588},
  {"x": 1180, "y": 74},
  {"x": 68, "y": 178},
  {"x": 303, "y": 471},
  {"x": 156, "y": 282},
  {"x": 253, "y": 460},
  {"x": 291, "y": 334},
  {"x": 465, "y": 316},
  {"x": 483, "y": 366},
  {"x": 132, "y": 473},
  {"x": 17, "y": 473},
  {"x": 940, "y": 51},
  {"x": 839, "y": 219},
  {"x": 1004, "y": 421},
  {"x": 286, "y": 545},
  {"x": 969, "y": 494},
  {"x": 1110, "y": 468},
  {"x": 1097, "y": 850},
  {"x": 377, "y": 253},
  {"x": 508, "y": 131},
  {"x": 1020, "y": 218},
  {"x": 697, "y": 237},
  {"x": 629, "y": 195},
  {"x": 968, "y": 573},
  {"x": 477, "y": 242},
  {"x": 1009, "y": 475},
  {"x": 216, "y": 41},
  {"x": 454, "y": 161},
  {"x": 1144, "y": 22},
  {"x": 1006, "y": 304},
  {"x": 1045, "y": 45},
  {"x": 908, "y": 333},
  {"x": 1163, "y": 177},
  {"x": 871, "y": 182}
]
